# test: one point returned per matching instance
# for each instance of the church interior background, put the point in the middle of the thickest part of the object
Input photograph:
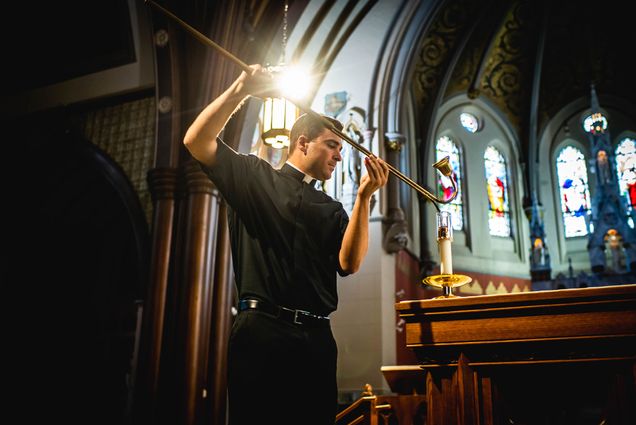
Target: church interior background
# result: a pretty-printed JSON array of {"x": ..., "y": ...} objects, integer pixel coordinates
[{"x": 120, "y": 266}]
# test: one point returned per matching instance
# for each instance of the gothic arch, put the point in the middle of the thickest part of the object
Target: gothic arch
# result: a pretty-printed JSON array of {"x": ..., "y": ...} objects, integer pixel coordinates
[
  {"x": 475, "y": 242},
  {"x": 562, "y": 129}
]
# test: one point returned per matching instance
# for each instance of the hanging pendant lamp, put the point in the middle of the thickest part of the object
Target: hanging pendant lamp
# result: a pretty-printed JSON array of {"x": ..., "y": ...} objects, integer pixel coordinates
[{"x": 278, "y": 114}]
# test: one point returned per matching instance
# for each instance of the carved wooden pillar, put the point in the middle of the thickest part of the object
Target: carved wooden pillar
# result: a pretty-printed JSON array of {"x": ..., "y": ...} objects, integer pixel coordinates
[
  {"x": 454, "y": 393},
  {"x": 441, "y": 409},
  {"x": 162, "y": 181},
  {"x": 466, "y": 394},
  {"x": 221, "y": 323},
  {"x": 199, "y": 229},
  {"x": 162, "y": 184}
]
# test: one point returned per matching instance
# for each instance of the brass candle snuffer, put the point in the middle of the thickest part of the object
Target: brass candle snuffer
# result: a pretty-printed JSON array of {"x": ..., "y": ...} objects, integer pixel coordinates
[{"x": 446, "y": 279}]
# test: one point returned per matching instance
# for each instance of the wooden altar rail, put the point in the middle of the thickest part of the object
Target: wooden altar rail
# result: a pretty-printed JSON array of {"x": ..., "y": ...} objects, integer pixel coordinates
[{"x": 566, "y": 356}]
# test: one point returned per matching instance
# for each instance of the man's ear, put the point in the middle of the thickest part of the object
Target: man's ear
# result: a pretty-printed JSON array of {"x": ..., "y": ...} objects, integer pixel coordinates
[{"x": 302, "y": 143}]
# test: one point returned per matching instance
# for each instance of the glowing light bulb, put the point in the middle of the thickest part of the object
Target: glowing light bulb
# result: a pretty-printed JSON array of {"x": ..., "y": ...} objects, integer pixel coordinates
[{"x": 294, "y": 82}]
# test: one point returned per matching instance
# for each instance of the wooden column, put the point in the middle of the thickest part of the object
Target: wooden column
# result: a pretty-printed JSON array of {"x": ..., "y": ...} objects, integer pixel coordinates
[
  {"x": 221, "y": 323},
  {"x": 467, "y": 395},
  {"x": 162, "y": 184},
  {"x": 195, "y": 290},
  {"x": 157, "y": 339},
  {"x": 440, "y": 398}
]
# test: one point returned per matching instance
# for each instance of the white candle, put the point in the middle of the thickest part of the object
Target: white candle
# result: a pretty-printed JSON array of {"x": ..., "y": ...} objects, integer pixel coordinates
[
  {"x": 444, "y": 239},
  {"x": 445, "y": 255}
]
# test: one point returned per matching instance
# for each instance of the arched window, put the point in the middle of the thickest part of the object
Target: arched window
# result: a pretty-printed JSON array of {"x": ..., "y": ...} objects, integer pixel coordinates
[
  {"x": 574, "y": 191},
  {"x": 626, "y": 171},
  {"x": 446, "y": 147},
  {"x": 497, "y": 187}
]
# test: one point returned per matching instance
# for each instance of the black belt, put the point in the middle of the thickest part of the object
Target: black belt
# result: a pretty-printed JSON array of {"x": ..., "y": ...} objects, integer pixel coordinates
[{"x": 297, "y": 317}]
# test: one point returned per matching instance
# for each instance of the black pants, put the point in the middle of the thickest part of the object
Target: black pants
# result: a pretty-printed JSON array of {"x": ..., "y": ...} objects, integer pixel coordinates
[{"x": 281, "y": 373}]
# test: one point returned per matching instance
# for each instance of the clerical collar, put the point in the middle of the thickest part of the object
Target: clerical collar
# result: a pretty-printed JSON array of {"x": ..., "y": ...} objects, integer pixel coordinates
[{"x": 306, "y": 177}]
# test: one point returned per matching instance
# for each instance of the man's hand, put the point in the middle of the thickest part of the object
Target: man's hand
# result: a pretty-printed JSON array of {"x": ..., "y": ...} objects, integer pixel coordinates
[
  {"x": 377, "y": 175},
  {"x": 259, "y": 83},
  {"x": 355, "y": 241}
]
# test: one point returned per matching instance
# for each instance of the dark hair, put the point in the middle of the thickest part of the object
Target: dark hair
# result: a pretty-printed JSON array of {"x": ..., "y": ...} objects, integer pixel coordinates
[{"x": 311, "y": 127}]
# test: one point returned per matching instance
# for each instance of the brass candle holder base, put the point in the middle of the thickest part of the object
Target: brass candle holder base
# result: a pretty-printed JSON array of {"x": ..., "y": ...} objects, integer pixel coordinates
[{"x": 447, "y": 282}]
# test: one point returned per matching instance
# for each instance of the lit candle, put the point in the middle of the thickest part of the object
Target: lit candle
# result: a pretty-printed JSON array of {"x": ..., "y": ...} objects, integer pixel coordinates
[{"x": 444, "y": 239}]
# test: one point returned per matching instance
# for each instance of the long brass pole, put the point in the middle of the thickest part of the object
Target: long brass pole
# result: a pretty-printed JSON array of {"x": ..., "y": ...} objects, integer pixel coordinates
[
  {"x": 245, "y": 67},
  {"x": 392, "y": 169},
  {"x": 442, "y": 166}
]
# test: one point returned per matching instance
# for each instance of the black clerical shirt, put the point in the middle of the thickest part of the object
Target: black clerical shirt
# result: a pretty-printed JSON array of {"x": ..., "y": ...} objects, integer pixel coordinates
[{"x": 285, "y": 234}]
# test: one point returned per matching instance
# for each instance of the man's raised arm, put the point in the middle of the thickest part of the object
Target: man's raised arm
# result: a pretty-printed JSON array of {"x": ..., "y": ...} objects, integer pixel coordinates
[
  {"x": 356, "y": 238},
  {"x": 200, "y": 138}
]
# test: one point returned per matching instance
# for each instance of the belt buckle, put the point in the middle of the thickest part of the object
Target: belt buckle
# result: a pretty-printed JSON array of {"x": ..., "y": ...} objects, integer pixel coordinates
[{"x": 296, "y": 313}]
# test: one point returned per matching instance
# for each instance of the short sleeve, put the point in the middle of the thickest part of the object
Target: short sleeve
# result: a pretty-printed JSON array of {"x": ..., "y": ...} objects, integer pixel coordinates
[{"x": 231, "y": 173}]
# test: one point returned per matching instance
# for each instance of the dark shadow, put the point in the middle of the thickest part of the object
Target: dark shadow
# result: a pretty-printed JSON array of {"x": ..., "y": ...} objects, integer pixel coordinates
[{"x": 78, "y": 257}]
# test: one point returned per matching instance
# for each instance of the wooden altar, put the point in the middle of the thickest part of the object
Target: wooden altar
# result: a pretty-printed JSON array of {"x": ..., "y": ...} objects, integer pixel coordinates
[{"x": 545, "y": 357}]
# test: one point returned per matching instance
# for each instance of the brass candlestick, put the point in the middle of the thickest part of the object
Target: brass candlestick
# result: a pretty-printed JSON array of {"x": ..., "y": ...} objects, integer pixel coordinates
[{"x": 446, "y": 279}]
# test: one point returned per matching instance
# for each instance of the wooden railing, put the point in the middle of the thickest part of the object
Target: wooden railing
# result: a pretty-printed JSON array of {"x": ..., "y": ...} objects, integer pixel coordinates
[
  {"x": 366, "y": 410},
  {"x": 398, "y": 409}
]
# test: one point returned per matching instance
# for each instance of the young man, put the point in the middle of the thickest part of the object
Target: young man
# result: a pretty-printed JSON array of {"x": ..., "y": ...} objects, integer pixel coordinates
[{"x": 288, "y": 242}]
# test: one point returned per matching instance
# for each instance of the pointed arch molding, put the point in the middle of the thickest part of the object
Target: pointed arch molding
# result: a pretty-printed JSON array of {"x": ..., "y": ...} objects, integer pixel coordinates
[
  {"x": 508, "y": 70},
  {"x": 434, "y": 45},
  {"x": 400, "y": 51},
  {"x": 437, "y": 49},
  {"x": 418, "y": 53}
]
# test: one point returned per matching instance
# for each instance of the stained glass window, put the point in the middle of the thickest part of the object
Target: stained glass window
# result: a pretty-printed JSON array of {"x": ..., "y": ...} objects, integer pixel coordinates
[
  {"x": 574, "y": 191},
  {"x": 497, "y": 187},
  {"x": 446, "y": 147},
  {"x": 595, "y": 123},
  {"x": 626, "y": 171},
  {"x": 469, "y": 122}
]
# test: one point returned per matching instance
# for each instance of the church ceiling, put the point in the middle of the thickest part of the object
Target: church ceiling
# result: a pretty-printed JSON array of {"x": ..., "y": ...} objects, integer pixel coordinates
[
  {"x": 498, "y": 50},
  {"x": 585, "y": 45},
  {"x": 436, "y": 50}
]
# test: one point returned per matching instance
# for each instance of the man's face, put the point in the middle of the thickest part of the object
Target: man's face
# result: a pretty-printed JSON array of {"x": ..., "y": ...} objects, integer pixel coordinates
[{"x": 323, "y": 153}]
